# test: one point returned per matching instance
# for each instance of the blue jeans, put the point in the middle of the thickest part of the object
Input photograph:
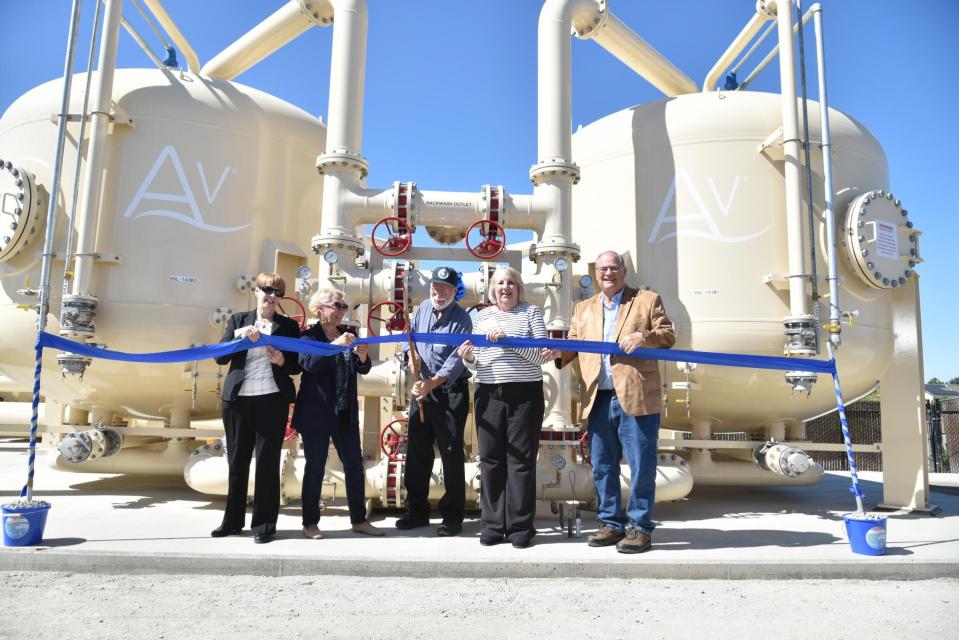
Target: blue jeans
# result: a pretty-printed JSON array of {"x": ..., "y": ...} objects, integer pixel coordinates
[{"x": 612, "y": 434}]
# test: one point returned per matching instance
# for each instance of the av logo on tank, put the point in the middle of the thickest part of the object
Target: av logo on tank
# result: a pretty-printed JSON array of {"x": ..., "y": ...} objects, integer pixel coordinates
[
  {"x": 699, "y": 221},
  {"x": 166, "y": 186}
]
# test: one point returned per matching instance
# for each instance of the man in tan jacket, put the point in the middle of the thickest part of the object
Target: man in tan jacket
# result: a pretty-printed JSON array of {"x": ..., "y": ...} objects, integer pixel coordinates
[{"x": 620, "y": 397}]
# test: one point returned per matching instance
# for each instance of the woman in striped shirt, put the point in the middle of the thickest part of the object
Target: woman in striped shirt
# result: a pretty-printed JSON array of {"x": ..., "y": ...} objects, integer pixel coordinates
[{"x": 508, "y": 410}]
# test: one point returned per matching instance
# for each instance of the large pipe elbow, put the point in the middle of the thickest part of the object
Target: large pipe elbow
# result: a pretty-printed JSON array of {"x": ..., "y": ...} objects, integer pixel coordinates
[{"x": 285, "y": 24}]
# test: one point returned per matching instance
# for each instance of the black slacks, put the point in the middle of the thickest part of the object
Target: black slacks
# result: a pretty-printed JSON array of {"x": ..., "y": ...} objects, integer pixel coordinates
[
  {"x": 509, "y": 417},
  {"x": 445, "y": 420},
  {"x": 316, "y": 448},
  {"x": 254, "y": 423}
]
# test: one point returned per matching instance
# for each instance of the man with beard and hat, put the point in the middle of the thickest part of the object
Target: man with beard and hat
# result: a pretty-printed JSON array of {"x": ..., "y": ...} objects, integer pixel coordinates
[{"x": 443, "y": 389}]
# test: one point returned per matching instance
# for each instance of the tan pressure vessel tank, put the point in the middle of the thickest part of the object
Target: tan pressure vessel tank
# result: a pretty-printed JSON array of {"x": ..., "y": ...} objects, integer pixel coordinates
[
  {"x": 693, "y": 186},
  {"x": 206, "y": 183}
]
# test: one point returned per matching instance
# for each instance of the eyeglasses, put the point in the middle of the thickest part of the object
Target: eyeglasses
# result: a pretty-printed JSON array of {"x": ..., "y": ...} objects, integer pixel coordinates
[
  {"x": 339, "y": 306},
  {"x": 610, "y": 269},
  {"x": 271, "y": 291}
]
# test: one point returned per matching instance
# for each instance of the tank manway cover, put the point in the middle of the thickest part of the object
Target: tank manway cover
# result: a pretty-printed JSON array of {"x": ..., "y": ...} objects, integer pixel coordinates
[
  {"x": 880, "y": 242},
  {"x": 18, "y": 209}
]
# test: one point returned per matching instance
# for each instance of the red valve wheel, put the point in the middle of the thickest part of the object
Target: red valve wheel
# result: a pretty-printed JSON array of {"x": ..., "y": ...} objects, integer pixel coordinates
[
  {"x": 299, "y": 317},
  {"x": 290, "y": 432},
  {"x": 398, "y": 236},
  {"x": 394, "y": 322},
  {"x": 584, "y": 447},
  {"x": 393, "y": 440},
  {"x": 492, "y": 239}
]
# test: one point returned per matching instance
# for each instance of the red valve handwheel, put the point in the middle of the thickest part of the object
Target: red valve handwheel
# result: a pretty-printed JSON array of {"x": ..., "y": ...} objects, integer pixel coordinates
[
  {"x": 395, "y": 322},
  {"x": 299, "y": 317},
  {"x": 393, "y": 440},
  {"x": 290, "y": 432},
  {"x": 398, "y": 238},
  {"x": 584, "y": 447},
  {"x": 492, "y": 242}
]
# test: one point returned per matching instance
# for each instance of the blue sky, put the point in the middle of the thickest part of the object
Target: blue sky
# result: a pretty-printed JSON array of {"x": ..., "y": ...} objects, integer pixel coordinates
[{"x": 451, "y": 90}]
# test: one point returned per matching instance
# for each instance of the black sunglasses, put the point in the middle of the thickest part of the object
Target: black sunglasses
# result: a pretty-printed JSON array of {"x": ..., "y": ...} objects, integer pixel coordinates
[
  {"x": 270, "y": 291},
  {"x": 339, "y": 306}
]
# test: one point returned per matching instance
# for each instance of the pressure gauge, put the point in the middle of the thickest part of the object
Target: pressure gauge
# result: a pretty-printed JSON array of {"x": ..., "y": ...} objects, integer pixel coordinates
[
  {"x": 561, "y": 264},
  {"x": 585, "y": 282},
  {"x": 330, "y": 257},
  {"x": 303, "y": 272},
  {"x": 559, "y": 462}
]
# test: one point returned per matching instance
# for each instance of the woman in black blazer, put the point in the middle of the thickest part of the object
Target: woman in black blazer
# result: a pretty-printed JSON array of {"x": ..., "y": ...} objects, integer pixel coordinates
[
  {"x": 256, "y": 401},
  {"x": 327, "y": 409}
]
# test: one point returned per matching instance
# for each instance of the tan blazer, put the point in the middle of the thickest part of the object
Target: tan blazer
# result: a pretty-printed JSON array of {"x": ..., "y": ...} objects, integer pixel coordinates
[{"x": 636, "y": 380}]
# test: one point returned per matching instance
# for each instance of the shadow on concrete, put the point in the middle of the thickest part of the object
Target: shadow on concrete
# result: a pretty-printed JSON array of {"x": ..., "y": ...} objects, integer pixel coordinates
[{"x": 62, "y": 542}]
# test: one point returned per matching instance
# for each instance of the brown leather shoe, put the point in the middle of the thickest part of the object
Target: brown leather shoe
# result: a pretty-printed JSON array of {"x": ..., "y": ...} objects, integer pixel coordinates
[
  {"x": 366, "y": 528},
  {"x": 605, "y": 536},
  {"x": 635, "y": 542}
]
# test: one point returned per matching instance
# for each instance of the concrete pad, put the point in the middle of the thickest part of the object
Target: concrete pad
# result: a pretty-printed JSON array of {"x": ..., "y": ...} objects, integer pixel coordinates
[{"x": 146, "y": 524}]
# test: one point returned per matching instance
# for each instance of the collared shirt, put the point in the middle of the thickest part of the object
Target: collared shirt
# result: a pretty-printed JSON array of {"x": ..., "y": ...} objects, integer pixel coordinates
[
  {"x": 258, "y": 378},
  {"x": 440, "y": 359},
  {"x": 610, "y": 313}
]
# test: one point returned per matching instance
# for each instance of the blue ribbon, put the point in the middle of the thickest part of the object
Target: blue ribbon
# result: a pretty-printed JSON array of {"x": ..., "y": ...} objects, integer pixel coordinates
[{"x": 298, "y": 345}]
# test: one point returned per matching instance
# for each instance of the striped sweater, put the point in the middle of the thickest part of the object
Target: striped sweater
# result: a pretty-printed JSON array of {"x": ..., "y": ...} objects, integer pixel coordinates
[{"x": 498, "y": 365}]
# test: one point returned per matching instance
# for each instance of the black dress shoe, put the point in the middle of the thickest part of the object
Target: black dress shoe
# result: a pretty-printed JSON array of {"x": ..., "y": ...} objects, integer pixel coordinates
[
  {"x": 449, "y": 529},
  {"x": 262, "y": 538},
  {"x": 412, "y": 521},
  {"x": 521, "y": 540},
  {"x": 488, "y": 540},
  {"x": 222, "y": 532}
]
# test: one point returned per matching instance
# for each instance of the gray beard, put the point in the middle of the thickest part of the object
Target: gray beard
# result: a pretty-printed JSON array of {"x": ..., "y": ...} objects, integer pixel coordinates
[{"x": 438, "y": 307}]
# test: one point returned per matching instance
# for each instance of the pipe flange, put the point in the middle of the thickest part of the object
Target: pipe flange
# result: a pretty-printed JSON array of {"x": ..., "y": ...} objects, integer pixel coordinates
[
  {"x": 76, "y": 316},
  {"x": 338, "y": 242},
  {"x": 802, "y": 335},
  {"x": 548, "y": 249},
  {"x": 342, "y": 160},
  {"x": 319, "y": 13},
  {"x": 592, "y": 24},
  {"x": 75, "y": 365},
  {"x": 554, "y": 168},
  {"x": 880, "y": 241},
  {"x": 19, "y": 209},
  {"x": 762, "y": 8}
]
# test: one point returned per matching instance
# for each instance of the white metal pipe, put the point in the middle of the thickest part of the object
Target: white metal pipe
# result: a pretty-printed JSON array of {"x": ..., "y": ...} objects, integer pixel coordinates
[
  {"x": 554, "y": 72},
  {"x": 739, "y": 43},
  {"x": 381, "y": 380},
  {"x": 160, "y": 13},
  {"x": 762, "y": 37},
  {"x": 709, "y": 472},
  {"x": 638, "y": 55},
  {"x": 143, "y": 45},
  {"x": 207, "y": 473},
  {"x": 168, "y": 458},
  {"x": 284, "y": 25},
  {"x": 347, "y": 77},
  {"x": 835, "y": 314},
  {"x": 54, "y": 188},
  {"x": 98, "y": 148},
  {"x": 772, "y": 53},
  {"x": 78, "y": 169},
  {"x": 798, "y": 303}
]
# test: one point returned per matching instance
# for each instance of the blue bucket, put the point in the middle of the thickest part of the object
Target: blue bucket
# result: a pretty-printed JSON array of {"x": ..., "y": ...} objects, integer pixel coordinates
[
  {"x": 866, "y": 535},
  {"x": 23, "y": 526}
]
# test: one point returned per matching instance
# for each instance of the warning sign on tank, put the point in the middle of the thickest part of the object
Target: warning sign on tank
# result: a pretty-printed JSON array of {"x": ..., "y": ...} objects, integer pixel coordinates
[{"x": 887, "y": 240}]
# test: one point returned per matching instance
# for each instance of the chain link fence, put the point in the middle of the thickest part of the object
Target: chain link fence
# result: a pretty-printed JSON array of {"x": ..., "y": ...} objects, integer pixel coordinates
[{"x": 865, "y": 427}]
